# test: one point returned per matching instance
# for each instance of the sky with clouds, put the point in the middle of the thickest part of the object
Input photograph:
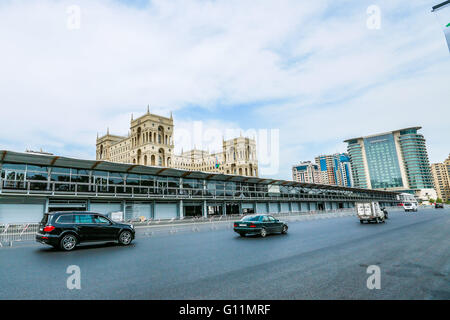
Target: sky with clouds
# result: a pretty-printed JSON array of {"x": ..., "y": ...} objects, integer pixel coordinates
[{"x": 311, "y": 69}]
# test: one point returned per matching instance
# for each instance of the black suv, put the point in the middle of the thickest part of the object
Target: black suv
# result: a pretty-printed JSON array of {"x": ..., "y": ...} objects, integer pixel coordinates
[{"x": 67, "y": 229}]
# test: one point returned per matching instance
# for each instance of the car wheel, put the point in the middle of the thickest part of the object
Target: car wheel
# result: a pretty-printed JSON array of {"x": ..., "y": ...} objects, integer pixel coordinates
[
  {"x": 68, "y": 242},
  {"x": 263, "y": 232},
  {"x": 360, "y": 221},
  {"x": 242, "y": 234},
  {"x": 125, "y": 238},
  {"x": 284, "y": 230}
]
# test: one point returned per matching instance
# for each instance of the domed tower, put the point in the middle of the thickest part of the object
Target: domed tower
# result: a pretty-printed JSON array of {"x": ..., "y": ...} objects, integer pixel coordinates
[
  {"x": 104, "y": 144},
  {"x": 151, "y": 139},
  {"x": 240, "y": 157}
]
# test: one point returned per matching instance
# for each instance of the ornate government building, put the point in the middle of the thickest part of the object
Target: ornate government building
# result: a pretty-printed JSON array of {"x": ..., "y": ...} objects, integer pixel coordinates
[{"x": 150, "y": 143}]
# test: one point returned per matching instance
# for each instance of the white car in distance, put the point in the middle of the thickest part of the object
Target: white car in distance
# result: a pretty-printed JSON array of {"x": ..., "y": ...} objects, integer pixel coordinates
[{"x": 410, "y": 206}]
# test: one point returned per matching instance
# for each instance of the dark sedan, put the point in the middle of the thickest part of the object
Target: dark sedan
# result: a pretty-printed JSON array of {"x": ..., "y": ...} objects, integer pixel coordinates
[
  {"x": 65, "y": 230},
  {"x": 260, "y": 224},
  {"x": 439, "y": 205}
]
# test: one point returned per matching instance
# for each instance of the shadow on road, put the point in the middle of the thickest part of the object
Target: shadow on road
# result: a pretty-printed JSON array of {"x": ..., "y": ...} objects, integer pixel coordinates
[
  {"x": 86, "y": 246},
  {"x": 258, "y": 237}
]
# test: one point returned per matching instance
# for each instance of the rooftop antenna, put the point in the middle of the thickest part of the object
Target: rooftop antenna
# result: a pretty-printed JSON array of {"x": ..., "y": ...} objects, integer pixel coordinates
[{"x": 148, "y": 108}]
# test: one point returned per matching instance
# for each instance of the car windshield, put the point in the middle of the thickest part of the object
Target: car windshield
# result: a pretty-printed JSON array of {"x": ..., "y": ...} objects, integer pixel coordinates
[{"x": 250, "y": 218}]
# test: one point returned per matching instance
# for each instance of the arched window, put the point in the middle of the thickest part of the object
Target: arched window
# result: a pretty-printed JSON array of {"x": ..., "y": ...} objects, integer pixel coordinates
[
  {"x": 161, "y": 157},
  {"x": 160, "y": 135},
  {"x": 139, "y": 154},
  {"x": 138, "y": 136},
  {"x": 233, "y": 153}
]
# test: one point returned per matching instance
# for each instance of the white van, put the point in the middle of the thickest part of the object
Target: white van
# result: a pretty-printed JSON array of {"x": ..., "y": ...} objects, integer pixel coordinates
[
  {"x": 370, "y": 212},
  {"x": 410, "y": 206}
]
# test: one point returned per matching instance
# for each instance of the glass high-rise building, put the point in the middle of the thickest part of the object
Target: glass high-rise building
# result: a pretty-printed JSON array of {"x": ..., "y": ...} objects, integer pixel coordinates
[{"x": 396, "y": 160}]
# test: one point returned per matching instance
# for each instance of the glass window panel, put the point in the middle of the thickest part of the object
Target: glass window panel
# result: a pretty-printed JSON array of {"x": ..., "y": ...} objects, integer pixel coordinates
[
  {"x": 13, "y": 166},
  {"x": 38, "y": 185},
  {"x": 116, "y": 178},
  {"x": 148, "y": 181},
  {"x": 100, "y": 173},
  {"x": 83, "y": 218},
  {"x": 36, "y": 168},
  {"x": 60, "y": 170},
  {"x": 132, "y": 182},
  {"x": 60, "y": 177},
  {"x": 36, "y": 176},
  {"x": 65, "y": 218},
  {"x": 80, "y": 172},
  {"x": 80, "y": 178},
  {"x": 173, "y": 182}
]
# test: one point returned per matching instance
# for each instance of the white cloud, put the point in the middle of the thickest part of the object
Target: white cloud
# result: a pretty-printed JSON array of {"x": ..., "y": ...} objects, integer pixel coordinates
[
  {"x": 203, "y": 135},
  {"x": 327, "y": 71}
]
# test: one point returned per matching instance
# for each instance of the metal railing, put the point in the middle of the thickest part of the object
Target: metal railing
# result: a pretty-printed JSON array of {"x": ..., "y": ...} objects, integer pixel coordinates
[{"x": 17, "y": 232}]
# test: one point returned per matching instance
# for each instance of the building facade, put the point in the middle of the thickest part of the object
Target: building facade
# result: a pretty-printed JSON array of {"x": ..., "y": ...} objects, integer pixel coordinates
[
  {"x": 396, "y": 160},
  {"x": 441, "y": 178},
  {"x": 31, "y": 184},
  {"x": 238, "y": 156},
  {"x": 306, "y": 172},
  {"x": 150, "y": 142},
  {"x": 335, "y": 169}
]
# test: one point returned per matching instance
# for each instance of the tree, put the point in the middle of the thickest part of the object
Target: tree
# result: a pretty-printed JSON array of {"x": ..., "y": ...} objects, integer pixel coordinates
[
  {"x": 431, "y": 200},
  {"x": 439, "y": 200}
]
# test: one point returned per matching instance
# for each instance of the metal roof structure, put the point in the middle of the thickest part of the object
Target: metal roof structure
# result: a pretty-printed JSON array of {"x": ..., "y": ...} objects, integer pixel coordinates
[{"x": 59, "y": 161}]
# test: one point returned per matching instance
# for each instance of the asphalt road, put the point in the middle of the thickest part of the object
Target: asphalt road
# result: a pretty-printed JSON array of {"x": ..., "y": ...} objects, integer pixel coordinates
[{"x": 318, "y": 259}]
